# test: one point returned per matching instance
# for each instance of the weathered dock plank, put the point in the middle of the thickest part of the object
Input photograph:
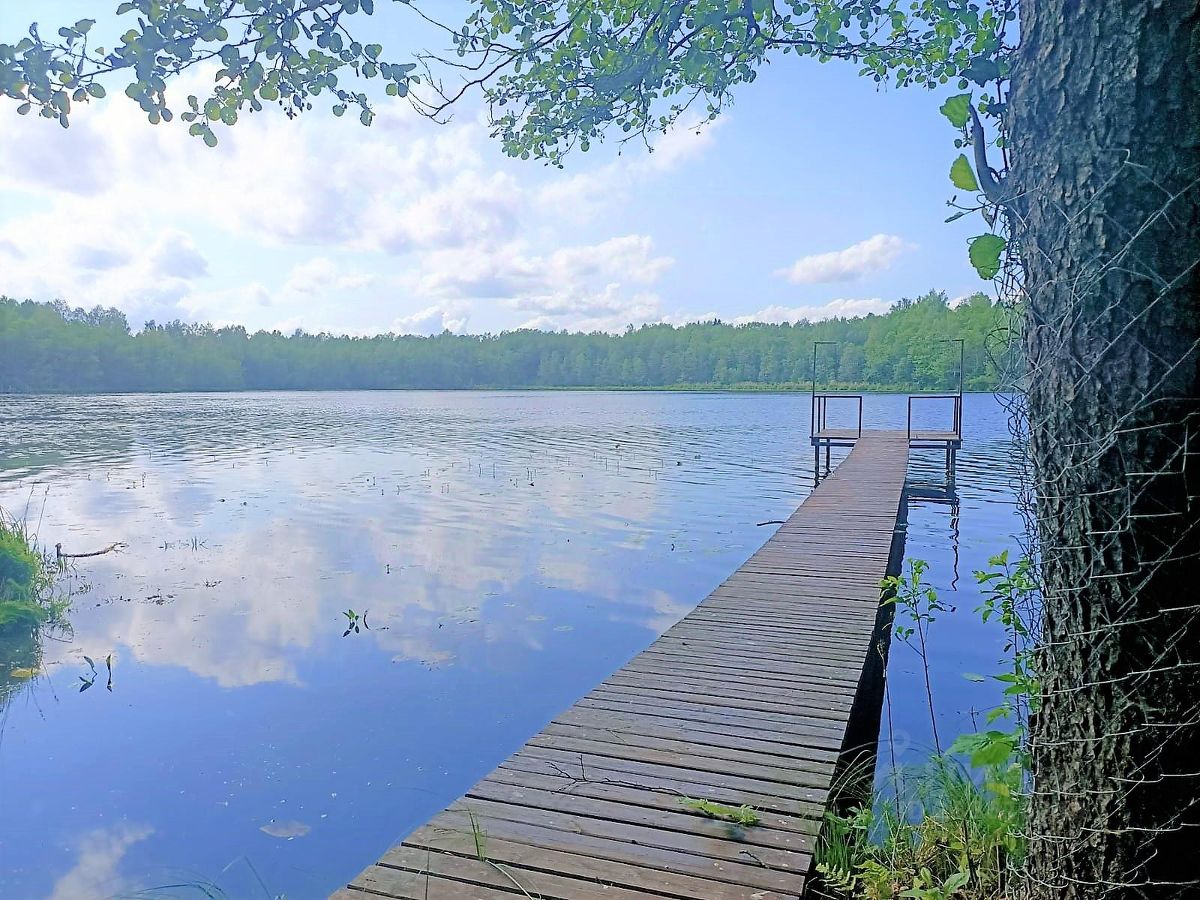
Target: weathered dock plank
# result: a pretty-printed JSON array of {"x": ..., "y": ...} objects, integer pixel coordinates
[{"x": 746, "y": 700}]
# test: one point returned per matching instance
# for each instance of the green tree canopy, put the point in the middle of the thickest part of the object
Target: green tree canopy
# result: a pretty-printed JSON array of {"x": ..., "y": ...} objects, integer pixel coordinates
[
  {"x": 55, "y": 348},
  {"x": 555, "y": 73}
]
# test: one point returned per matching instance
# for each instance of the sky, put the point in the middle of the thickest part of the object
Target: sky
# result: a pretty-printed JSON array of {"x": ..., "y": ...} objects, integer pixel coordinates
[{"x": 814, "y": 195}]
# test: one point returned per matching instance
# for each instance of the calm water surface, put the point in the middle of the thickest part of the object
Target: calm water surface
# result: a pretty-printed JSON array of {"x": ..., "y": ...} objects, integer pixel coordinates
[{"x": 507, "y": 551}]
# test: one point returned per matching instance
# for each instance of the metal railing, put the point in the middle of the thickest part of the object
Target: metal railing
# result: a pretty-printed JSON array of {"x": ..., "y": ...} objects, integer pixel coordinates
[
  {"x": 957, "y": 411},
  {"x": 820, "y": 405}
]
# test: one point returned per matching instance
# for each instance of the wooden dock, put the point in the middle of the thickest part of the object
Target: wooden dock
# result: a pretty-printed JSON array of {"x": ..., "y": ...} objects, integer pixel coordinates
[{"x": 746, "y": 700}]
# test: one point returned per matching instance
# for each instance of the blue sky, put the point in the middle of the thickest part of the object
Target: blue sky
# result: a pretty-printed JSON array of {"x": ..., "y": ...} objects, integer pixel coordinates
[{"x": 815, "y": 195}]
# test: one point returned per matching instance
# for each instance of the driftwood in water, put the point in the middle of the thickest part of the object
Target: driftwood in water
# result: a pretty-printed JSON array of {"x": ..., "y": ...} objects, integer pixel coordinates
[{"x": 111, "y": 548}]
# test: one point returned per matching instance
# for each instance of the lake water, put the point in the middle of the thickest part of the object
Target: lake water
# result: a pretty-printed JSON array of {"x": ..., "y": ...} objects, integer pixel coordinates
[{"x": 504, "y": 551}]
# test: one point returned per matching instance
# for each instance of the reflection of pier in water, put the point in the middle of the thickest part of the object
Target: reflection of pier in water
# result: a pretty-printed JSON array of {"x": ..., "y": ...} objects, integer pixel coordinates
[{"x": 922, "y": 493}]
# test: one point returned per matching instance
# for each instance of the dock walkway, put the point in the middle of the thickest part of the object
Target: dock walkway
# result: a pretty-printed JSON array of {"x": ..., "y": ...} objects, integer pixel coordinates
[{"x": 746, "y": 700}]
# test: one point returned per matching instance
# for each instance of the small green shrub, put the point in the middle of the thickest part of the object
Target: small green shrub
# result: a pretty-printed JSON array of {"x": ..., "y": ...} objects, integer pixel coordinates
[
  {"x": 953, "y": 828},
  {"x": 943, "y": 830}
]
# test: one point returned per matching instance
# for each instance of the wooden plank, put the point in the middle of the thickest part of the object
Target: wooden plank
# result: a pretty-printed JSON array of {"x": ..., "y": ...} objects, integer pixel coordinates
[
  {"x": 672, "y": 818},
  {"x": 699, "y": 841},
  {"x": 810, "y": 807},
  {"x": 452, "y": 829},
  {"x": 745, "y": 700}
]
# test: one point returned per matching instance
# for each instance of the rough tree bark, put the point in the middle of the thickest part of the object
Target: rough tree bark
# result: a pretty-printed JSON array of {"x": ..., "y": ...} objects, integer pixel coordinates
[{"x": 1104, "y": 119}]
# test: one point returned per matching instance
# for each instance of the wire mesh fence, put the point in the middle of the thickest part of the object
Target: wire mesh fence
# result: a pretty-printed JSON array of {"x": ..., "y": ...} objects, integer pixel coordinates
[{"x": 1098, "y": 371}]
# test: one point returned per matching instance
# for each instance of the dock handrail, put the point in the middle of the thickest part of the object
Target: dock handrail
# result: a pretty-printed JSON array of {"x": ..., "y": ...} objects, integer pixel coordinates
[
  {"x": 957, "y": 410},
  {"x": 820, "y": 403}
]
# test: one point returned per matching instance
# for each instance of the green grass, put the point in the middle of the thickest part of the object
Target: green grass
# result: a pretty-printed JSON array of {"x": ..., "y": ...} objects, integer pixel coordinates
[
  {"x": 479, "y": 835},
  {"x": 24, "y": 580},
  {"x": 942, "y": 831},
  {"x": 739, "y": 815}
]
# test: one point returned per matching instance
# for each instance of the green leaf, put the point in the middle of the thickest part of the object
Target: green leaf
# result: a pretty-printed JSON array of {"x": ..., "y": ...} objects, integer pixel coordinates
[
  {"x": 984, "y": 254},
  {"x": 957, "y": 109},
  {"x": 982, "y": 70},
  {"x": 210, "y": 138},
  {"x": 956, "y": 881},
  {"x": 96, "y": 90},
  {"x": 961, "y": 174}
]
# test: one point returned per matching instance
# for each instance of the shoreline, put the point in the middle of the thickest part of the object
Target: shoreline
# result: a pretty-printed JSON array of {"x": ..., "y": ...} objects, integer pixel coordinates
[{"x": 750, "y": 388}]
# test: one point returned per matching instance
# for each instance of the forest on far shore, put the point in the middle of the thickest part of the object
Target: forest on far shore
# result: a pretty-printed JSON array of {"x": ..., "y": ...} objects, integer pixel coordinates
[{"x": 54, "y": 348}]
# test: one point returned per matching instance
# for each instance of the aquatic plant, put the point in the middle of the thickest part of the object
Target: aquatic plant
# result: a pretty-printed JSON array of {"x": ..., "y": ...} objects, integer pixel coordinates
[
  {"x": 355, "y": 622},
  {"x": 739, "y": 815},
  {"x": 920, "y": 602},
  {"x": 953, "y": 827},
  {"x": 479, "y": 835},
  {"x": 941, "y": 830}
]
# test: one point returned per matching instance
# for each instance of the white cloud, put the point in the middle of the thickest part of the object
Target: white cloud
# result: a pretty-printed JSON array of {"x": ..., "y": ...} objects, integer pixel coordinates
[
  {"x": 90, "y": 256},
  {"x": 607, "y": 310},
  {"x": 470, "y": 208},
  {"x": 840, "y": 308},
  {"x": 588, "y": 287},
  {"x": 95, "y": 873},
  {"x": 452, "y": 316},
  {"x": 511, "y": 270},
  {"x": 175, "y": 256},
  {"x": 582, "y": 195},
  {"x": 246, "y": 304},
  {"x": 872, "y": 255},
  {"x": 322, "y": 275},
  {"x": 406, "y": 216}
]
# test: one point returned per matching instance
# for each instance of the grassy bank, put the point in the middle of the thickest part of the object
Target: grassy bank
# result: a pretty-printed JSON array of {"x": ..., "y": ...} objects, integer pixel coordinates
[{"x": 25, "y": 581}]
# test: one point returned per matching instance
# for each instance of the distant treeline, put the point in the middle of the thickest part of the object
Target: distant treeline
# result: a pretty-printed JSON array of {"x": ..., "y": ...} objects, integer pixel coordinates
[{"x": 50, "y": 347}]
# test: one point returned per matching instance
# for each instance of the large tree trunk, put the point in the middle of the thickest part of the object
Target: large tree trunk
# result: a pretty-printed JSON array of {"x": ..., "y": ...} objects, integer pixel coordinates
[{"x": 1104, "y": 119}]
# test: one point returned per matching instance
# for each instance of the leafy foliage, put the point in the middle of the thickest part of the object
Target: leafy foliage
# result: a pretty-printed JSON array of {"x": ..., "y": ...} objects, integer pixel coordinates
[
  {"x": 1012, "y": 600},
  {"x": 953, "y": 827},
  {"x": 48, "y": 348},
  {"x": 961, "y": 174},
  {"x": 985, "y": 253},
  {"x": 941, "y": 831},
  {"x": 283, "y": 52},
  {"x": 557, "y": 74},
  {"x": 560, "y": 73}
]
